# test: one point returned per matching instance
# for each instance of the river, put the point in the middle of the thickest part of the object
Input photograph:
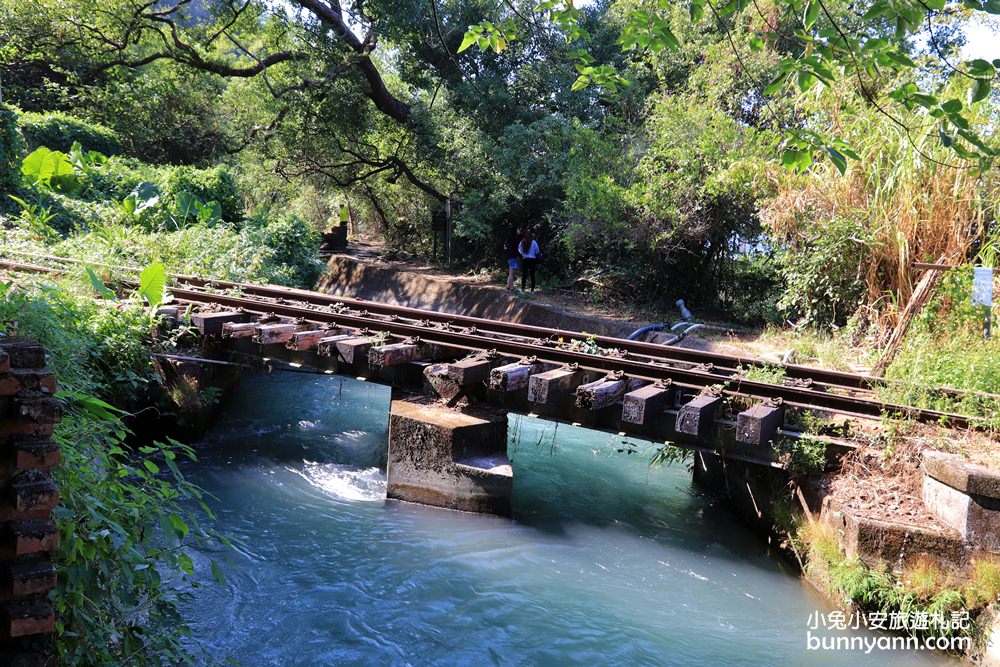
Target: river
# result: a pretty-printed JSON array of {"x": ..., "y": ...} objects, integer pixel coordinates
[{"x": 606, "y": 562}]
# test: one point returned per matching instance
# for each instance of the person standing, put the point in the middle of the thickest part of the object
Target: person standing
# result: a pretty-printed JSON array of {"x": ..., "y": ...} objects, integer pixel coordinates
[
  {"x": 513, "y": 257},
  {"x": 530, "y": 253}
]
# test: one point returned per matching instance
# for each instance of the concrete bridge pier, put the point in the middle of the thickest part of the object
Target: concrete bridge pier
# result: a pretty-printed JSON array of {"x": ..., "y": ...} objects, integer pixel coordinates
[{"x": 445, "y": 457}]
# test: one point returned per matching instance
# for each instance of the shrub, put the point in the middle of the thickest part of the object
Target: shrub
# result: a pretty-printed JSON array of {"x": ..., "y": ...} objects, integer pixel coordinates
[
  {"x": 125, "y": 527},
  {"x": 279, "y": 252},
  {"x": 75, "y": 214},
  {"x": 291, "y": 242},
  {"x": 215, "y": 184},
  {"x": 117, "y": 177},
  {"x": 58, "y": 131},
  {"x": 824, "y": 268},
  {"x": 11, "y": 152}
]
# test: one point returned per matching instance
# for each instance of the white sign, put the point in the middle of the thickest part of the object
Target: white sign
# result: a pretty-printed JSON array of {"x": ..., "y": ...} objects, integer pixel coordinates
[{"x": 982, "y": 287}]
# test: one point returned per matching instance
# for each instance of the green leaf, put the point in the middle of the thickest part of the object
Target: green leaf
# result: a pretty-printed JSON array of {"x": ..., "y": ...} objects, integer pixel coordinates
[
  {"x": 217, "y": 574},
  {"x": 39, "y": 166},
  {"x": 696, "y": 11},
  {"x": 756, "y": 43},
  {"x": 839, "y": 161},
  {"x": 806, "y": 80},
  {"x": 790, "y": 158},
  {"x": 775, "y": 85},
  {"x": 981, "y": 68},
  {"x": 810, "y": 14},
  {"x": 91, "y": 405},
  {"x": 146, "y": 195},
  {"x": 151, "y": 467},
  {"x": 952, "y": 106},
  {"x": 804, "y": 161},
  {"x": 880, "y": 8},
  {"x": 185, "y": 563},
  {"x": 980, "y": 89},
  {"x": 99, "y": 285},
  {"x": 179, "y": 525},
  {"x": 471, "y": 36},
  {"x": 152, "y": 283},
  {"x": 900, "y": 58}
]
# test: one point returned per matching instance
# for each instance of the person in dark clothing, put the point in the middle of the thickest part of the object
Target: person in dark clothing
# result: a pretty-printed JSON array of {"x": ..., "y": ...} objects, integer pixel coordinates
[
  {"x": 513, "y": 257},
  {"x": 530, "y": 254}
]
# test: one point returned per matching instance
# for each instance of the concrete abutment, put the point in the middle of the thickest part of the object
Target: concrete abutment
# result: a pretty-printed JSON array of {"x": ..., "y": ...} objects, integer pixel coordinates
[{"x": 446, "y": 457}]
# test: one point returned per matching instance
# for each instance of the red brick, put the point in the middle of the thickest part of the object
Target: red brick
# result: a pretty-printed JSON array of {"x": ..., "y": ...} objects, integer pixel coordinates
[
  {"x": 26, "y": 617},
  {"x": 9, "y": 384},
  {"x": 23, "y": 352},
  {"x": 20, "y": 380},
  {"x": 31, "y": 491},
  {"x": 40, "y": 453},
  {"x": 29, "y": 575},
  {"x": 27, "y": 536},
  {"x": 24, "y": 427},
  {"x": 39, "y": 410}
]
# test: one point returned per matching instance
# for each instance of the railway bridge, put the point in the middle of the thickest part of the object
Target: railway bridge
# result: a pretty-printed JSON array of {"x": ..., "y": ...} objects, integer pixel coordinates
[{"x": 455, "y": 378}]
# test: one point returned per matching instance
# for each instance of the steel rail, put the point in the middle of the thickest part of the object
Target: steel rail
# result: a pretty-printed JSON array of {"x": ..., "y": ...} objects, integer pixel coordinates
[
  {"x": 728, "y": 363},
  {"x": 522, "y": 331},
  {"x": 799, "y": 397}
]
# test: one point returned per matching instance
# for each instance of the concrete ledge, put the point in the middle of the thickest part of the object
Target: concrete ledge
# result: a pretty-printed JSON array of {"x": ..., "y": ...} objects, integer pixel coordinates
[
  {"x": 876, "y": 542},
  {"x": 964, "y": 496},
  {"x": 448, "y": 458},
  {"x": 961, "y": 475}
]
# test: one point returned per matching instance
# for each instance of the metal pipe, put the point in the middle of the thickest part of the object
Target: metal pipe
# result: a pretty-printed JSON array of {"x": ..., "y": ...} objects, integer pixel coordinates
[
  {"x": 638, "y": 332},
  {"x": 679, "y": 337}
]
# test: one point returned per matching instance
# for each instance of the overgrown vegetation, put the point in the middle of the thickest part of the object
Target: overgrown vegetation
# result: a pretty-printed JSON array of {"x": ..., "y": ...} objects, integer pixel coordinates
[
  {"x": 946, "y": 348},
  {"x": 122, "y": 212},
  {"x": 740, "y": 156},
  {"x": 127, "y": 516},
  {"x": 924, "y": 588}
]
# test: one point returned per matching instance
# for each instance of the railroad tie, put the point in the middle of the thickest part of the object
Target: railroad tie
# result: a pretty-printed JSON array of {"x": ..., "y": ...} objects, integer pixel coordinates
[
  {"x": 758, "y": 425},
  {"x": 604, "y": 392},
  {"x": 271, "y": 334},
  {"x": 308, "y": 340},
  {"x": 472, "y": 370},
  {"x": 554, "y": 387},
  {"x": 513, "y": 377},
  {"x": 644, "y": 404},
  {"x": 696, "y": 417}
]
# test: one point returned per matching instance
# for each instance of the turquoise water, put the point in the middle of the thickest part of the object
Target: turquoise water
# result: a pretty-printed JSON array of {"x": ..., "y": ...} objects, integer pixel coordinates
[{"x": 606, "y": 562}]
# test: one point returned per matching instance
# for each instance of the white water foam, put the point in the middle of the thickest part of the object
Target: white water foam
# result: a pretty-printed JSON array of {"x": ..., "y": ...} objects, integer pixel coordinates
[{"x": 345, "y": 482}]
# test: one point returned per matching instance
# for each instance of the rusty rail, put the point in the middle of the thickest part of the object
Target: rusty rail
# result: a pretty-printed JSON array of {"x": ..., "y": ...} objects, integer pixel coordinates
[{"x": 538, "y": 342}]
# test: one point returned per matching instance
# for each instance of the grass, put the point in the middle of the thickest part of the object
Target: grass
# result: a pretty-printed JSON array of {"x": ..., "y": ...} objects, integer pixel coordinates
[
  {"x": 984, "y": 588},
  {"x": 922, "y": 588},
  {"x": 828, "y": 349},
  {"x": 768, "y": 373}
]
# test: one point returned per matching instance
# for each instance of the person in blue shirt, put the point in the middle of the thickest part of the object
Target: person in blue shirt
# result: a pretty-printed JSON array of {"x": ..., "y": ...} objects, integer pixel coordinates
[{"x": 530, "y": 254}]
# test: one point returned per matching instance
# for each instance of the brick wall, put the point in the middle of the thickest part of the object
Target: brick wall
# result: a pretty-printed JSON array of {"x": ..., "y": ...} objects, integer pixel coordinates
[{"x": 28, "y": 536}]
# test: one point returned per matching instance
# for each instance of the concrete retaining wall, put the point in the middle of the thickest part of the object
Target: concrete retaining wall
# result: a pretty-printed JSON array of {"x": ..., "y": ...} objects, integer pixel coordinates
[{"x": 354, "y": 278}]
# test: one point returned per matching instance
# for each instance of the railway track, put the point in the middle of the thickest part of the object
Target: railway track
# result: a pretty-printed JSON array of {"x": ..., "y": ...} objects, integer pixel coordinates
[{"x": 693, "y": 370}]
